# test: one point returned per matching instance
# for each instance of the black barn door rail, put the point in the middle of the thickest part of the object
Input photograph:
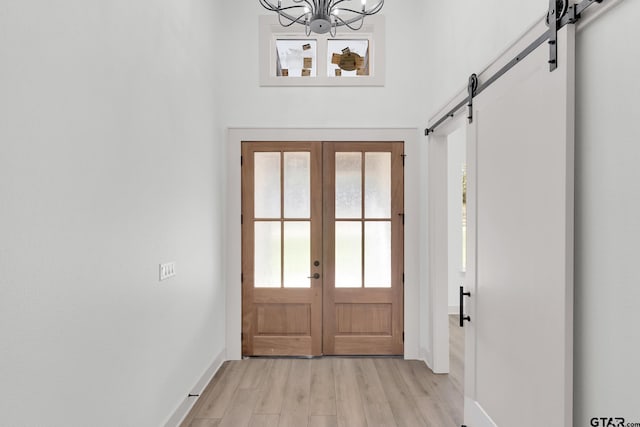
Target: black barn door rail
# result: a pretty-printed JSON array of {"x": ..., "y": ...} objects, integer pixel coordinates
[{"x": 564, "y": 14}]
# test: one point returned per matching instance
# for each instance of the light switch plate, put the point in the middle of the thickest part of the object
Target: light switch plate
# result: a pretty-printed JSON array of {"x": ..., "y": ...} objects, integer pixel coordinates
[{"x": 168, "y": 269}]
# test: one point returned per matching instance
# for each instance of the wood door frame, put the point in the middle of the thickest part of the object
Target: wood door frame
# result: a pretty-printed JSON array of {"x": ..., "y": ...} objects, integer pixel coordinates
[{"x": 415, "y": 283}]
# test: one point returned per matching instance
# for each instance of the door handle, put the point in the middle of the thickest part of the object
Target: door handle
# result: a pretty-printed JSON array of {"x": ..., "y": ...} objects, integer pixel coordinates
[
  {"x": 315, "y": 276},
  {"x": 462, "y": 316}
]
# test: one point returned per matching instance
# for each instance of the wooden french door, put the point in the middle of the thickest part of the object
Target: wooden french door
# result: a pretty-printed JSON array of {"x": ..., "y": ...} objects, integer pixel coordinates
[
  {"x": 363, "y": 216},
  {"x": 322, "y": 248}
]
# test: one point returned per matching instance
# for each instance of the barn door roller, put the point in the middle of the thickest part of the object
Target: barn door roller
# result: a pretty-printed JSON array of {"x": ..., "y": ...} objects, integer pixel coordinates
[
  {"x": 560, "y": 13},
  {"x": 557, "y": 10}
]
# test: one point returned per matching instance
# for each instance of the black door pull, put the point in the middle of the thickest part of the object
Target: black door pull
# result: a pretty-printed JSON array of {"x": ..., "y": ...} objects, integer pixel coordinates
[{"x": 462, "y": 316}]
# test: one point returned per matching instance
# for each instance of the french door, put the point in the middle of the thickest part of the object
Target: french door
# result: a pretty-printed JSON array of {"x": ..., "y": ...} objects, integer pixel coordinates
[{"x": 322, "y": 248}]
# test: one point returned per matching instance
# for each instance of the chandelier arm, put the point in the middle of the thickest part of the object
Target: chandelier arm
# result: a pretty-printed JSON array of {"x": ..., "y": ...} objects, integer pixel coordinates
[
  {"x": 291, "y": 19},
  {"x": 362, "y": 13},
  {"x": 312, "y": 6},
  {"x": 348, "y": 23},
  {"x": 334, "y": 3},
  {"x": 267, "y": 5}
]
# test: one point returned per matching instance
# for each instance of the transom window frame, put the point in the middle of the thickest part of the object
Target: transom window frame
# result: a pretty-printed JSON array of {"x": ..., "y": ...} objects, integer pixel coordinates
[{"x": 270, "y": 31}]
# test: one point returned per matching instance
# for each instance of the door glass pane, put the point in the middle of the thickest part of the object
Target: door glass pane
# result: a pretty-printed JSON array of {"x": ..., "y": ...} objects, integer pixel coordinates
[
  {"x": 297, "y": 254},
  {"x": 348, "y": 254},
  {"x": 267, "y": 264},
  {"x": 348, "y": 185},
  {"x": 267, "y": 185},
  {"x": 297, "y": 185},
  {"x": 377, "y": 258},
  {"x": 377, "y": 185}
]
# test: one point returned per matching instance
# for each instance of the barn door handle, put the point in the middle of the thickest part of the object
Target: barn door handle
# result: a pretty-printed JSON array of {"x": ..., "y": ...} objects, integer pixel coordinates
[
  {"x": 315, "y": 276},
  {"x": 462, "y": 316}
]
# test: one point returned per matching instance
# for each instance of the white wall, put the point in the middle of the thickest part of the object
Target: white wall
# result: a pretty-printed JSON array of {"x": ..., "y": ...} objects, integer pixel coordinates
[
  {"x": 456, "y": 147},
  {"x": 398, "y": 104},
  {"x": 109, "y": 165},
  {"x": 463, "y": 37}
]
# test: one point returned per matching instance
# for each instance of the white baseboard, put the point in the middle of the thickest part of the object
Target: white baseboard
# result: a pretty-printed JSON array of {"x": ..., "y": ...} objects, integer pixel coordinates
[
  {"x": 454, "y": 309},
  {"x": 426, "y": 357},
  {"x": 185, "y": 406},
  {"x": 475, "y": 416}
]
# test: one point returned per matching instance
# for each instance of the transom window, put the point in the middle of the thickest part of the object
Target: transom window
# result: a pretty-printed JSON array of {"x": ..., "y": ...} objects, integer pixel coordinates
[{"x": 288, "y": 57}]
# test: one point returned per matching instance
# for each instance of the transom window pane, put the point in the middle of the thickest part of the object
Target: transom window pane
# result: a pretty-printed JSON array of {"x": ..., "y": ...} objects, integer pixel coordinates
[
  {"x": 377, "y": 200},
  {"x": 297, "y": 185},
  {"x": 348, "y": 58},
  {"x": 267, "y": 185},
  {"x": 296, "y": 58},
  {"x": 348, "y": 185}
]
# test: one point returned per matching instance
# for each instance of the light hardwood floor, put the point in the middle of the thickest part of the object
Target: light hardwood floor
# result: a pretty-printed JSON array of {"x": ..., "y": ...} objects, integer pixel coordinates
[{"x": 333, "y": 391}]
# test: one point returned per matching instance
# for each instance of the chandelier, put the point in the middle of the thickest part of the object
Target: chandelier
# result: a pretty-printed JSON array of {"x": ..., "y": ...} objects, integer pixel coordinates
[{"x": 322, "y": 16}]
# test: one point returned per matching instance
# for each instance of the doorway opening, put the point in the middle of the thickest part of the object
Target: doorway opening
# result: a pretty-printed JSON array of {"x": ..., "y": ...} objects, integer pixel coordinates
[{"x": 322, "y": 248}]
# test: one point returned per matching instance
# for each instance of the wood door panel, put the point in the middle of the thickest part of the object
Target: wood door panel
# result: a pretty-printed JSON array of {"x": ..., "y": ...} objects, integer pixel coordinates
[
  {"x": 283, "y": 319},
  {"x": 279, "y": 345},
  {"x": 360, "y": 319},
  {"x": 365, "y": 345},
  {"x": 346, "y": 296},
  {"x": 290, "y": 296}
]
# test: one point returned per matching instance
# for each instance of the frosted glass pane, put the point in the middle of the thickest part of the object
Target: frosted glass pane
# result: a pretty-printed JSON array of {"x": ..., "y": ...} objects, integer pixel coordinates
[
  {"x": 297, "y": 185},
  {"x": 266, "y": 185},
  {"x": 297, "y": 254},
  {"x": 377, "y": 254},
  {"x": 267, "y": 254},
  {"x": 348, "y": 185},
  {"x": 348, "y": 254},
  {"x": 377, "y": 185}
]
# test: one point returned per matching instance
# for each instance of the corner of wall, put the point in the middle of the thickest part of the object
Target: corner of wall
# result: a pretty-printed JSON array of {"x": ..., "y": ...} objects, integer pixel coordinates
[{"x": 181, "y": 412}]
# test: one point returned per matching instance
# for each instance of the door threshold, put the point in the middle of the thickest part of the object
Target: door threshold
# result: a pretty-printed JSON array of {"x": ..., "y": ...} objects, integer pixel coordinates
[{"x": 331, "y": 356}]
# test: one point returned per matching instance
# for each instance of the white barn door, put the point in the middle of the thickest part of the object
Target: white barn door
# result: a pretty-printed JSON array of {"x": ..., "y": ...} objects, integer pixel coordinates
[{"x": 519, "y": 354}]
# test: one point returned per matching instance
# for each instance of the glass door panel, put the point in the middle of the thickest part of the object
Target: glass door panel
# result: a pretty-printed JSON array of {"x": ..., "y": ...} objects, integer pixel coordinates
[
  {"x": 348, "y": 254},
  {"x": 297, "y": 254}
]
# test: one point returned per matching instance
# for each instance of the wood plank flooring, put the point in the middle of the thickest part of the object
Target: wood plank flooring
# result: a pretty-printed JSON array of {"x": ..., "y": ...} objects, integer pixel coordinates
[{"x": 334, "y": 391}]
